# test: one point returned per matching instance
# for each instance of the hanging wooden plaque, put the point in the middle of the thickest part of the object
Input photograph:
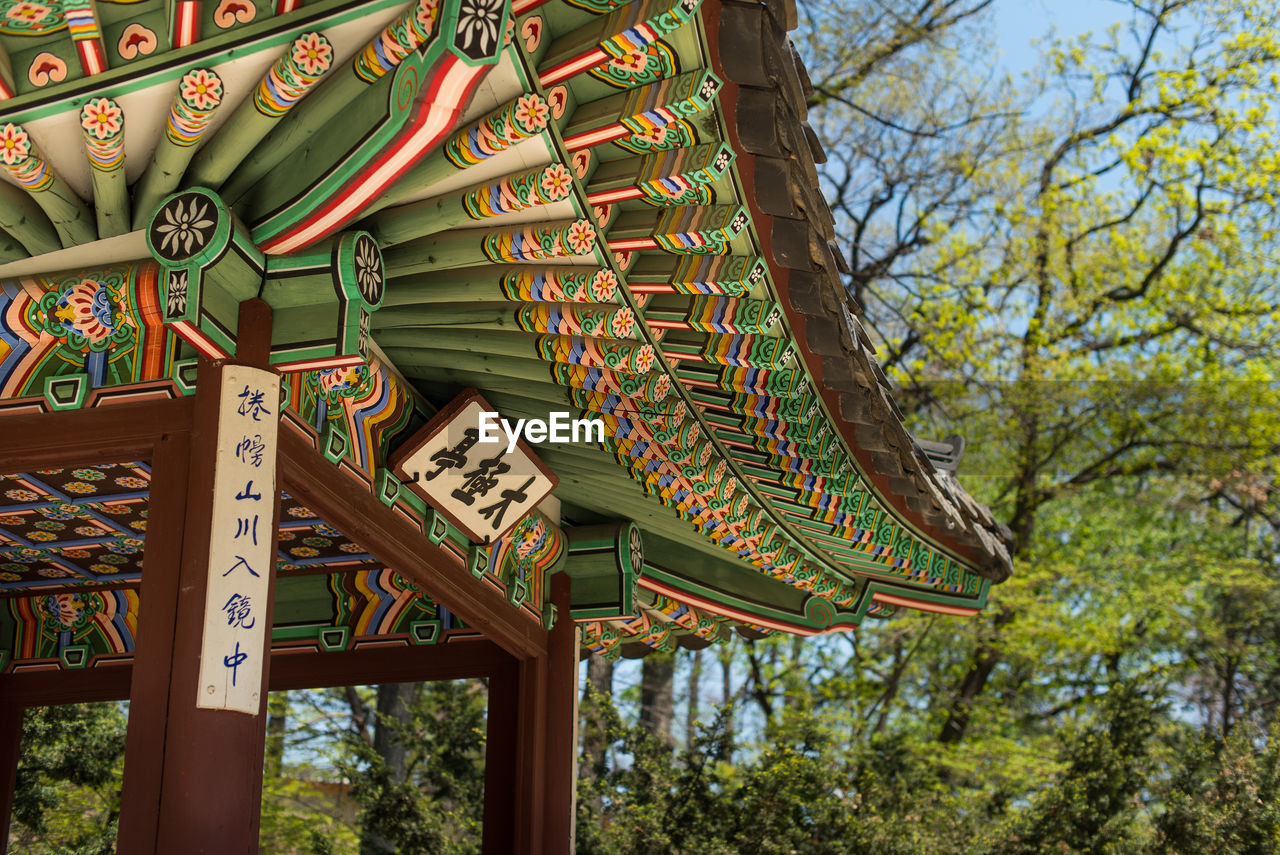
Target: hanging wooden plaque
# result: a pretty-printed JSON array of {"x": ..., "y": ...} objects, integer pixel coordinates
[{"x": 483, "y": 488}]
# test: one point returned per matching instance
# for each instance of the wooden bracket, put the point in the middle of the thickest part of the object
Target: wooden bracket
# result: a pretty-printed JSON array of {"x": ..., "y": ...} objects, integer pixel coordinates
[{"x": 321, "y": 297}]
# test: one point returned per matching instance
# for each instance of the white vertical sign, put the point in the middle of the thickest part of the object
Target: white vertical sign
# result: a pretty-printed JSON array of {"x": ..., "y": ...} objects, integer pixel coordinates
[{"x": 240, "y": 554}]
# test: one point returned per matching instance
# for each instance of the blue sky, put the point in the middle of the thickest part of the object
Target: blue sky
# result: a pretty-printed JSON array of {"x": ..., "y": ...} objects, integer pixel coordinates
[{"x": 1020, "y": 22}]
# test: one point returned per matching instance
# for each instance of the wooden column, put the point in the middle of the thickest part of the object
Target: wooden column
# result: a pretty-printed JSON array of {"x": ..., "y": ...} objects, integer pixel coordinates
[
  {"x": 530, "y": 758},
  {"x": 502, "y": 739},
  {"x": 154, "y": 644},
  {"x": 193, "y": 781},
  {"x": 10, "y": 751},
  {"x": 544, "y": 762},
  {"x": 561, "y": 725}
]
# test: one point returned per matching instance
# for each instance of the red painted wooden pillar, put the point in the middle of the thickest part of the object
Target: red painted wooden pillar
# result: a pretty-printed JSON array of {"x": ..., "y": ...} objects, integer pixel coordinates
[
  {"x": 153, "y": 649},
  {"x": 530, "y": 760},
  {"x": 561, "y": 725},
  {"x": 193, "y": 777},
  {"x": 502, "y": 746},
  {"x": 10, "y": 751},
  {"x": 544, "y": 766}
]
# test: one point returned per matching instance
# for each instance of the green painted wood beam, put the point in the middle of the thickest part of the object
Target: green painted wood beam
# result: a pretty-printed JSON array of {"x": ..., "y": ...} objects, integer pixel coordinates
[
  {"x": 11, "y": 249},
  {"x": 583, "y": 480},
  {"x": 681, "y": 176},
  {"x": 612, "y": 36},
  {"x": 535, "y": 380},
  {"x": 102, "y": 124},
  {"x": 338, "y": 93},
  {"x": 498, "y": 197},
  {"x": 742, "y": 584},
  {"x": 322, "y": 297},
  {"x": 6, "y": 73},
  {"x": 331, "y": 178},
  {"x": 603, "y": 561},
  {"x": 681, "y": 551},
  {"x": 696, "y": 229},
  {"x": 536, "y": 242},
  {"x": 69, "y": 216},
  {"x": 623, "y": 356},
  {"x": 730, "y": 275},
  {"x": 264, "y": 32},
  {"x": 599, "y": 321},
  {"x": 641, "y": 110},
  {"x": 303, "y": 64},
  {"x": 487, "y": 371},
  {"x": 25, "y": 221},
  {"x": 524, "y": 118},
  {"x": 492, "y": 283},
  {"x": 200, "y": 93}
]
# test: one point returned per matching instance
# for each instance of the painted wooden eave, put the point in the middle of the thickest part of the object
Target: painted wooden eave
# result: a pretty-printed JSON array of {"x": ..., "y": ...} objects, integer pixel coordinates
[
  {"x": 458, "y": 309},
  {"x": 765, "y": 106}
]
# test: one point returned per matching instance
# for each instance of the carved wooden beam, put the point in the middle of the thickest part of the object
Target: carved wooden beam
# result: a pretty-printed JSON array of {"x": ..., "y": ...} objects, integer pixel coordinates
[
  {"x": 604, "y": 562},
  {"x": 322, "y": 297}
]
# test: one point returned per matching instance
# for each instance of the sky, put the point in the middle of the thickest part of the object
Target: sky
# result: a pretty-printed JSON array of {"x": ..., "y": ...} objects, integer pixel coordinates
[{"x": 1020, "y": 22}]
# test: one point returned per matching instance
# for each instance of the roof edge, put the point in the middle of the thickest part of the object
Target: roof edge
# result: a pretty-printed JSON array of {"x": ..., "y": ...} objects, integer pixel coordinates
[{"x": 778, "y": 153}]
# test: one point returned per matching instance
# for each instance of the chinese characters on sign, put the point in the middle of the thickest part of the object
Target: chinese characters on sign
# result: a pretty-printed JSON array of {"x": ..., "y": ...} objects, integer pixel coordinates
[
  {"x": 484, "y": 488},
  {"x": 240, "y": 548}
]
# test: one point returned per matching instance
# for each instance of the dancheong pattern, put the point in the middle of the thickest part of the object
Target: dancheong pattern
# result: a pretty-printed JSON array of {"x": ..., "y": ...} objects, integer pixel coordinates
[
  {"x": 73, "y": 525},
  {"x": 590, "y": 245},
  {"x": 97, "y": 328}
]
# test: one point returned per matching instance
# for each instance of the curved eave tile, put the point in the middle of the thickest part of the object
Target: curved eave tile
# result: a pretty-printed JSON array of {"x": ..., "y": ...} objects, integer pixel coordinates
[{"x": 764, "y": 108}]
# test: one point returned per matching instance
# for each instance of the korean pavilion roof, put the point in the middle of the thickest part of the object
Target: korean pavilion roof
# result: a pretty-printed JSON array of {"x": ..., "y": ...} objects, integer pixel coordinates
[{"x": 585, "y": 205}]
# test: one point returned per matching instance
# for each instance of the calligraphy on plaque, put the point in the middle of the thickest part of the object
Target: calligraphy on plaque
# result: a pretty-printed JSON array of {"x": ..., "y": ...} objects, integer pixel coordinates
[
  {"x": 481, "y": 482},
  {"x": 241, "y": 557}
]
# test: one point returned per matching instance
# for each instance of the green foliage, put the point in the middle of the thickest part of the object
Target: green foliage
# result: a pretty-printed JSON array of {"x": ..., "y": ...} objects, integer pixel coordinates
[
  {"x": 354, "y": 773},
  {"x": 697, "y": 802},
  {"x": 1226, "y": 798},
  {"x": 426, "y": 793},
  {"x": 1093, "y": 805},
  {"x": 67, "y": 798},
  {"x": 801, "y": 794},
  {"x": 306, "y": 812}
]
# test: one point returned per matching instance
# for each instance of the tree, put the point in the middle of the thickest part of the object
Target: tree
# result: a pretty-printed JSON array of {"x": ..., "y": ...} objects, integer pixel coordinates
[
  {"x": 910, "y": 119},
  {"x": 1225, "y": 798},
  {"x": 657, "y": 705},
  {"x": 597, "y": 702},
  {"x": 419, "y": 775},
  {"x": 1094, "y": 306},
  {"x": 67, "y": 798},
  {"x": 1093, "y": 804}
]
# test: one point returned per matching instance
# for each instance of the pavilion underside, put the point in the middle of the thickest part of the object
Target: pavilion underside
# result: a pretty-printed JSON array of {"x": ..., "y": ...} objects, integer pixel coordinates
[{"x": 597, "y": 208}]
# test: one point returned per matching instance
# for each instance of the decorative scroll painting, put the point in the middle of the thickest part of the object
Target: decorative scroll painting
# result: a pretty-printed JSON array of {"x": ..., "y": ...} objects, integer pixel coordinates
[
  {"x": 524, "y": 557},
  {"x": 83, "y": 331},
  {"x": 359, "y": 411},
  {"x": 74, "y": 628},
  {"x": 241, "y": 558},
  {"x": 344, "y": 611}
]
